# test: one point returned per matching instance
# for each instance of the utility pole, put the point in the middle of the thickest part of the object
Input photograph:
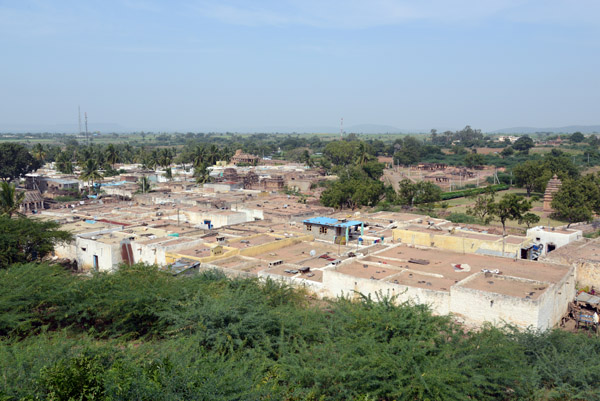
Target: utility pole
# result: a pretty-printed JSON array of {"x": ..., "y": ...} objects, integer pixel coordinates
[
  {"x": 87, "y": 138},
  {"x": 79, "y": 113}
]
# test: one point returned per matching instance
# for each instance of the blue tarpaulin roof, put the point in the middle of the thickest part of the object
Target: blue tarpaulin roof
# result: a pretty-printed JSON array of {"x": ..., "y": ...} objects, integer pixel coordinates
[{"x": 328, "y": 221}]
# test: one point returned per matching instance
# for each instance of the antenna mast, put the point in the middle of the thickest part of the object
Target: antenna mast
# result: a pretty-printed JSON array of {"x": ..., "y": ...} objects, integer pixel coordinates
[
  {"x": 341, "y": 128},
  {"x": 87, "y": 138},
  {"x": 79, "y": 112}
]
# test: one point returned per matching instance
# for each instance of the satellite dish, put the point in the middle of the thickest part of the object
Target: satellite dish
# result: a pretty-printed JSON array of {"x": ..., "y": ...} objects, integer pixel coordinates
[{"x": 313, "y": 252}]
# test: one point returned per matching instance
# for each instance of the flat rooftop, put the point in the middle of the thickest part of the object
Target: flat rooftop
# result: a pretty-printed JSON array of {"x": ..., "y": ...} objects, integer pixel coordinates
[
  {"x": 583, "y": 249},
  {"x": 440, "y": 262},
  {"x": 506, "y": 285},
  {"x": 246, "y": 242},
  {"x": 434, "y": 269},
  {"x": 302, "y": 251}
]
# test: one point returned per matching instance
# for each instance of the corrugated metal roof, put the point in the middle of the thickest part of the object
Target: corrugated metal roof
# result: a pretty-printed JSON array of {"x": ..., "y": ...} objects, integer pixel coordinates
[
  {"x": 588, "y": 298},
  {"x": 328, "y": 221}
]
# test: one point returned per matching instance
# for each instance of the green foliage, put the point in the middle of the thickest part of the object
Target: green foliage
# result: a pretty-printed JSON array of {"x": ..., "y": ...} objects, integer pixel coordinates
[
  {"x": 523, "y": 144},
  {"x": 462, "y": 218},
  {"x": 577, "y": 137},
  {"x": 531, "y": 175},
  {"x": 144, "y": 185},
  {"x": 529, "y": 219},
  {"x": 483, "y": 208},
  {"x": 577, "y": 200},
  {"x": 411, "y": 150},
  {"x": 16, "y": 161},
  {"x": 10, "y": 199},
  {"x": 24, "y": 240},
  {"x": 474, "y": 160},
  {"x": 535, "y": 174},
  {"x": 419, "y": 193},
  {"x": 474, "y": 191},
  {"x": 143, "y": 334},
  {"x": 510, "y": 207},
  {"x": 358, "y": 171}
]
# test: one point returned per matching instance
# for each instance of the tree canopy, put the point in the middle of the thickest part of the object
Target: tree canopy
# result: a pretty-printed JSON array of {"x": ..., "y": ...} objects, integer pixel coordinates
[
  {"x": 577, "y": 199},
  {"x": 24, "y": 240},
  {"x": 16, "y": 161}
]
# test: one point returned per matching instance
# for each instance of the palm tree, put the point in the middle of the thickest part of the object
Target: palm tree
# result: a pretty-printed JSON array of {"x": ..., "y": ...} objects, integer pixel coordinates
[
  {"x": 10, "y": 199},
  {"x": 63, "y": 163},
  {"x": 90, "y": 172},
  {"x": 198, "y": 155},
  {"x": 144, "y": 184},
  {"x": 164, "y": 158},
  {"x": 112, "y": 156},
  {"x": 362, "y": 156},
  {"x": 201, "y": 174},
  {"x": 213, "y": 154},
  {"x": 39, "y": 152}
]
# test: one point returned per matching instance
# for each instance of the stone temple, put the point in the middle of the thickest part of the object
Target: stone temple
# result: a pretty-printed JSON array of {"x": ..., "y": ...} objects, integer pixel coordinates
[{"x": 552, "y": 188}]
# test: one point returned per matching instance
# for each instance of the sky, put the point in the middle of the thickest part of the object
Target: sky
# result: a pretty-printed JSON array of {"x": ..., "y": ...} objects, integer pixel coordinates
[{"x": 247, "y": 66}]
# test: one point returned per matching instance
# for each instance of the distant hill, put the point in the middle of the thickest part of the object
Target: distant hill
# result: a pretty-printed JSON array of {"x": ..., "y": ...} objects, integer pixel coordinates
[
  {"x": 356, "y": 129},
  {"x": 59, "y": 128},
  {"x": 584, "y": 129}
]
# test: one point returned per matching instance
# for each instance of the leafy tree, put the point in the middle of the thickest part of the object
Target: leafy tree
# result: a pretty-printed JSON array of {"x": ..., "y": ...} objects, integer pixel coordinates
[
  {"x": 577, "y": 200},
  {"x": 523, "y": 144},
  {"x": 594, "y": 141},
  {"x": 577, "y": 137},
  {"x": 510, "y": 207},
  {"x": 474, "y": 160},
  {"x": 507, "y": 152},
  {"x": 561, "y": 164},
  {"x": 24, "y": 240},
  {"x": 529, "y": 219},
  {"x": 340, "y": 153},
  {"x": 483, "y": 207},
  {"x": 352, "y": 192},
  {"x": 410, "y": 150},
  {"x": 423, "y": 192},
  {"x": 528, "y": 174},
  {"x": 16, "y": 161}
]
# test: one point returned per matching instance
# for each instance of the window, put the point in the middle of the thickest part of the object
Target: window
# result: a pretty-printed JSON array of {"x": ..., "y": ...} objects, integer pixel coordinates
[
  {"x": 308, "y": 227},
  {"x": 323, "y": 230}
]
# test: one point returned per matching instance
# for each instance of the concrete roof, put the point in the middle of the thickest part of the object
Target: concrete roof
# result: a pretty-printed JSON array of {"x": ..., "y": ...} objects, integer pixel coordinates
[{"x": 328, "y": 221}]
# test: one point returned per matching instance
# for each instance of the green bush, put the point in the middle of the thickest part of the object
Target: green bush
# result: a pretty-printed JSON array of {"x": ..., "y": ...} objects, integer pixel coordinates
[
  {"x": 473, "y": 191},
  {"x": 461, "y": 218},
  {"x": 143, "y": 334}
]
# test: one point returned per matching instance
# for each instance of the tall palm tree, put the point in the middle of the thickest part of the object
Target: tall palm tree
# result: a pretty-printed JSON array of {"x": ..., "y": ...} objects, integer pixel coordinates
[
  {"x": 90, "y": 172},
  {"x": 112, "y": 156},
  {"x": 201, "y": 174},
  {"x": 39, "y": 152},
  {"x": 199, "y": 155},
  {"x": 144, "y": 184},
  {"x": 362, "y": 156},
  {"x": 164, "y": 158},
  {"x": 10, "y": 199},
  {"x": 64, "y": 164},
  {"x": 213, "y": 154}
]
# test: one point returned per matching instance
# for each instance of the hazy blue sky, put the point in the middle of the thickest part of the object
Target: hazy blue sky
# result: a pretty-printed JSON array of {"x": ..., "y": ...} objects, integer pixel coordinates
[{"x": 246, "y": 65}]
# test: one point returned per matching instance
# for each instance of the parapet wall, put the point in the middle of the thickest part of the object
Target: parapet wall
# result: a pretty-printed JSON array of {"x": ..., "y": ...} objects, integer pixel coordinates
[
  {"x": 444, "y": 240},
  {"x": 338, "y": 284}
]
